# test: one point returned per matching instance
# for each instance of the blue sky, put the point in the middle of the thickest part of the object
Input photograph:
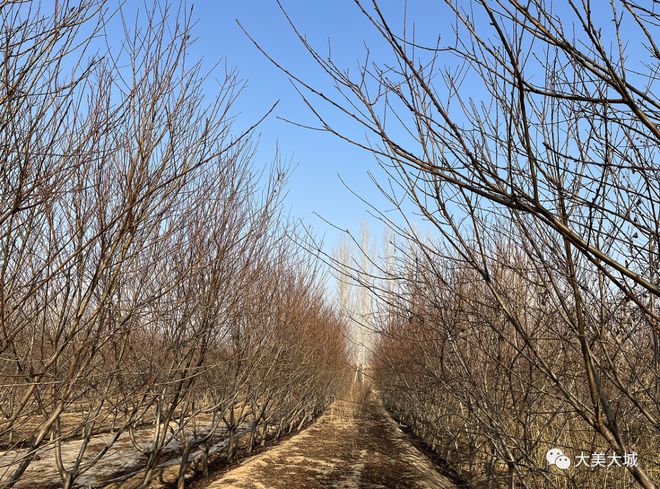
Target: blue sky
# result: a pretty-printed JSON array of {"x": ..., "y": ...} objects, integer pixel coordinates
[{"x": 317, "y": 159}]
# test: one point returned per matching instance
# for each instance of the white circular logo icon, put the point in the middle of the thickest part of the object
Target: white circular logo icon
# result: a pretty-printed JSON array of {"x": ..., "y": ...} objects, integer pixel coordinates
[
  {"x": 563, "y": 462},
  {"x": 555, "y": 456},
  {"x": 552, "y": 455}
]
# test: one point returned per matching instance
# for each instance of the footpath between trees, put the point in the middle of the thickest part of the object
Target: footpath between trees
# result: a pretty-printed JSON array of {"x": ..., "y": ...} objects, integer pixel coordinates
[{"x": 354, "y": 445}]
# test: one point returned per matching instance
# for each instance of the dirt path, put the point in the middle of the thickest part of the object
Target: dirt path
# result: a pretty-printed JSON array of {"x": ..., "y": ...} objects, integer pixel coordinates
[{"x": 352, "y": 446}]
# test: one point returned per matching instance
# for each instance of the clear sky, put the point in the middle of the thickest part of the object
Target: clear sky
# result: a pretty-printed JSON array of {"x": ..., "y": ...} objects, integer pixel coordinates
[{"x": 318, "y": 159}]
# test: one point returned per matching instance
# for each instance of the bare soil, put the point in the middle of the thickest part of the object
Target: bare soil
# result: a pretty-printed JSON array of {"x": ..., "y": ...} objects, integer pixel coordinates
[{"x": 354, "y": 445}]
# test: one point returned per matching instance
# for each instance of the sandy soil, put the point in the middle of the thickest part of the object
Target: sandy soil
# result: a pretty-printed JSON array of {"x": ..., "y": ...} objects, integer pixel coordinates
[{"x": 354, "y": 445}]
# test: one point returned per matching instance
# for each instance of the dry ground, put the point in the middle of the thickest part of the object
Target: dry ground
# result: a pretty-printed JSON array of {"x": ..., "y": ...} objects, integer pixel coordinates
[
  {"x": 354, "y": 445},
  {"x": 123, "y": 458}
]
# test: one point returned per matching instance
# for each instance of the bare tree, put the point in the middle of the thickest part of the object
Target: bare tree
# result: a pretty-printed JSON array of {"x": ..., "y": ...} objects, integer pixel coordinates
[
  {"x": 149, "y": 288},
  {"x": 540, "y": 178}
]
